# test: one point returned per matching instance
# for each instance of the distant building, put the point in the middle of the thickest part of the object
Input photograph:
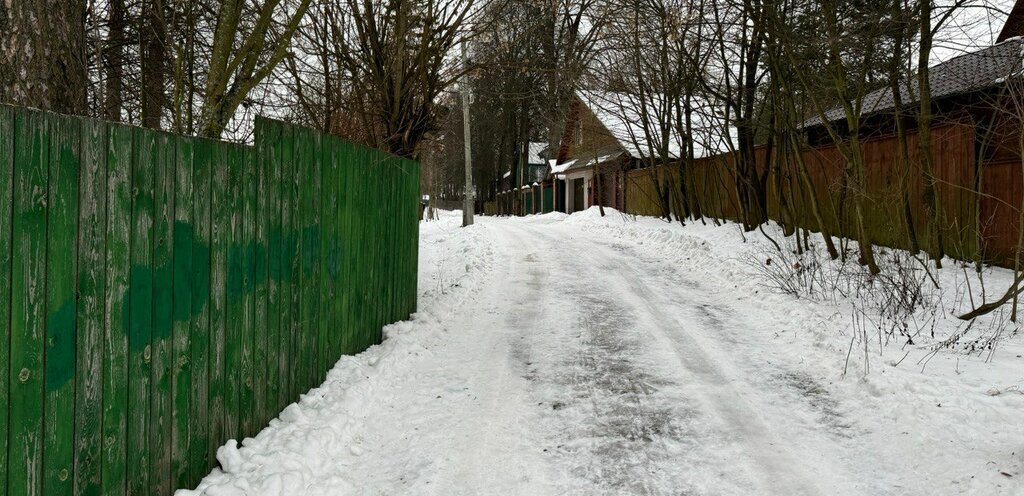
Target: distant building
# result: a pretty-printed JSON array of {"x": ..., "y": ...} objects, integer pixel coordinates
[{"x": 605, "y": 136}]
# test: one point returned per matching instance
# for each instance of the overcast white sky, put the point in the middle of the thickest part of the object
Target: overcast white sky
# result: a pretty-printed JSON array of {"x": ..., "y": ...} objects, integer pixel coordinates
[{"x": 974, "y": 26}]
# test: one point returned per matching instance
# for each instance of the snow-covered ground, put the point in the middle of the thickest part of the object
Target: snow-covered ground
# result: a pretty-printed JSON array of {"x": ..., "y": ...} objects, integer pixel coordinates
[{"x": 585, "y": 355}]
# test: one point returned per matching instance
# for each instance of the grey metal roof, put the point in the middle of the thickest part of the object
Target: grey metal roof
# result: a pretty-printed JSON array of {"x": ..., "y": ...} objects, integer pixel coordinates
[
  {"x": 589, "y": 160},
  {"x": 962, "y": 74}
]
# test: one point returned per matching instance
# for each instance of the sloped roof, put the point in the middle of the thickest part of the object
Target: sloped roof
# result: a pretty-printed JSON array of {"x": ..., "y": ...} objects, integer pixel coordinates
[
  {"x": 623, "y": 115},
  {"x": 960, "y": 75},
  {"x": 589, "y": 160},
  {"x": 534, "y": 157}
]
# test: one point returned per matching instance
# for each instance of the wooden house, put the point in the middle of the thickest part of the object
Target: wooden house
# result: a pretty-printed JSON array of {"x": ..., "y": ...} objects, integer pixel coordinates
[
  {"x": 978, "y": 117},
  {"x": 605, "y": 137},
  {"x": 976, "y": 158}
]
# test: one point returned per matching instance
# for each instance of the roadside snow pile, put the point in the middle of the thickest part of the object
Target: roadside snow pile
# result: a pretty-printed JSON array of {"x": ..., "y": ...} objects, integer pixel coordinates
[
  {"x": 921, "y": 382},
  {"x": 314, "y": 441},
  {"x": 728, "y": 254}
]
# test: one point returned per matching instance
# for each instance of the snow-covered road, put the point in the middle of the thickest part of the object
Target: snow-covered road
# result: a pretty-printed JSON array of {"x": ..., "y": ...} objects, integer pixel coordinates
[{"x": 554, "y": 356}]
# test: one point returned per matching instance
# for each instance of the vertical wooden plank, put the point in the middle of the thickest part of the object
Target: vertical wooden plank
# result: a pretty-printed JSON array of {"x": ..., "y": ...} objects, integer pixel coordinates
[
  {"x": 28, "y": 304},
  {"x": 272, "y": 191},
  {"x": 299, "y": 346},
  {"x": 246, "y": 399},
  {"x": 259, "y": 201},
  {"x": 344, "y": 158},
  {"x": 388, "y": 208},
  {"x": 6, "y": 208},
  {"x": 315, "y": 262},
  {"x": 378, "y": 178},
  {"x": 363, "y": 219},
  {"x": 332, "y": 251},
  {"x": 289, "y": 263},
  {"x": 199, "y": 418},
  {"x": 392, "y": 212},
  {"x": 324, "y": 220},
  {"x": 366, "y": 218},
  {"x": 140, "y": 312},
  {"x": 347, "y": 249},
  {"x": 220, "y": 218},
  {"x": 414, "y": 241},
  {"x": 61, "y": 305},
  {"x": 252, "y": 420},
  {"x": 295, "y": 197},
  {"x": 403, "y": 197},
  {"x": 119, "y": 229},
  {"x": 394, "y": 221},
  {"x": 350, "y": 248},
  {"x": 302, "y": 200},
  {"x": 181, "y": 346},
  {"x": 92, "y": 248},
  {"x": 161, "y": 351},
  {"x": 379, "y": 168},
  {"x": 310, "y": 256},
  {"x": 233, "y": 334}
]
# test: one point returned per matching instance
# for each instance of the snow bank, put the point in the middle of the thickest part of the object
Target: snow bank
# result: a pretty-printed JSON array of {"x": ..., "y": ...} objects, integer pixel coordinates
[{"x": 957, "y": 414}]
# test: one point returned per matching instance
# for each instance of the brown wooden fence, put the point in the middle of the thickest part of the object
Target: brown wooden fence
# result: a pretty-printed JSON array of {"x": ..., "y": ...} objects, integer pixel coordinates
[
  {"x": 973, "y": 224},
  {"x": 161, "y": 294}
]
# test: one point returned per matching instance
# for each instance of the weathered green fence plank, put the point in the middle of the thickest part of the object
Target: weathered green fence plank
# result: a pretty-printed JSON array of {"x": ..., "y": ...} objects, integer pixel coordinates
[
  {"x": 233, "y": 335},
  {"x": 331, "y": 252},
  {"x": 61, "y": 305},
  {"x": 325, "y": 154},
  {"x": 6, "y": 207},
  {"x": 290, "y": 294},
  {"x": 163, "y": 315},
  {"x": 116, "y": 327},
  {"x": 414, "y": 239},
  {"x": 246, "y": 403},
  {"x": 140, "y": 311},
  {"x": 181, "y": 333},
  {"x": 272, "y": 189},
  {"x": 348, "y": 165},
  {"x": 92, "y": 252},
  {"x": 313, "y": 261},
  {"x": 220, "y": 220},
  {"x": 260, "y": 159},
  {"x": 28, "y": 304},
  {"x": 199, "y": 417},
  {"x": 304, "y": 199},
  {"x": 356, "y": 244}
]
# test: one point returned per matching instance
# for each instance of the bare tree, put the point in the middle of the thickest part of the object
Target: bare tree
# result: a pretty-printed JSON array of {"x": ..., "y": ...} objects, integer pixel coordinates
[
  {"x": 242, "y": 58},
  {"x": 395, "y": 56},
  {"x": 569, "y": 33}
]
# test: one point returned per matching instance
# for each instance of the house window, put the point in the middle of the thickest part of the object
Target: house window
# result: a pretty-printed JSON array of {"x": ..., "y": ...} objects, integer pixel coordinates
[{"x": 579, "y": 132}]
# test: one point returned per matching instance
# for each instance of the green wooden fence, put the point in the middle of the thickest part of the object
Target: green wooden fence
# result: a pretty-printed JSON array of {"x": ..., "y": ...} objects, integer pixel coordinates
[{"x": 161, "y": 294}]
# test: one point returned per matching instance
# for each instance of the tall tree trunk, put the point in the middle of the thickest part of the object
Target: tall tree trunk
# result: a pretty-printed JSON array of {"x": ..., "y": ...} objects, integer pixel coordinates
[
  {"x": 153, "y": 48},
  {"x": 903, "y": 147},
  {"x": 867, "y": 251},
  {"x": 932, "y": 202},
  {"x": 805, "y": 178},
  {"x": 113, "y": 62},
  {"x": 42, "y": 55}
]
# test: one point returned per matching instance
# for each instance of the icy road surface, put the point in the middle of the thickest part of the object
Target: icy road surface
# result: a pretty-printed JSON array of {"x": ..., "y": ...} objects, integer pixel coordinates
[{"x": 556, "y": 355}]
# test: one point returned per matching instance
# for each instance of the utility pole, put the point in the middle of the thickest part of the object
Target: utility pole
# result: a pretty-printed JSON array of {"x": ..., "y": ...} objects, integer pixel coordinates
[{"x": 467, "y": 200}]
